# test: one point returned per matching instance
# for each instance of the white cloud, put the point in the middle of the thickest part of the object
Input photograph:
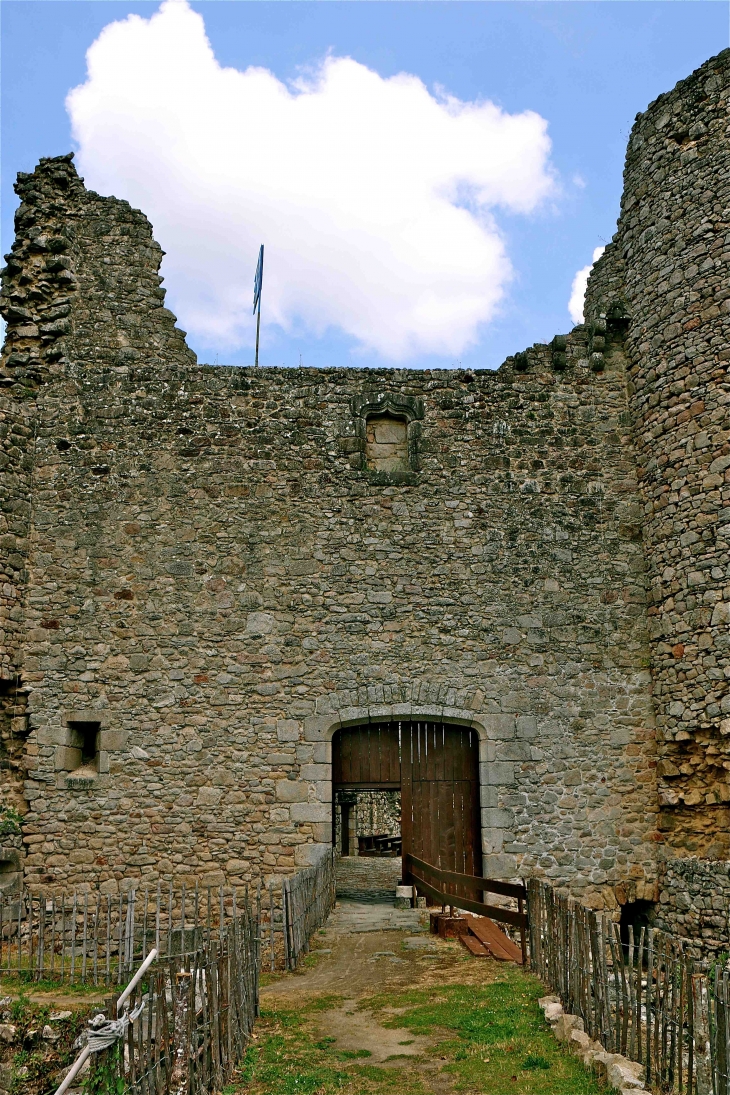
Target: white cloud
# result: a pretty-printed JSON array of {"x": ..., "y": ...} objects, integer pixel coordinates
[
  {"x": 579, "y": 286},
  {"x": 375, "y": 199}
]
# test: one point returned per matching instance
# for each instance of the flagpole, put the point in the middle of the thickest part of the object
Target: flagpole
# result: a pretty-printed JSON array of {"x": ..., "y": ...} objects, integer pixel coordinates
[{"x": 257, "y": 287}]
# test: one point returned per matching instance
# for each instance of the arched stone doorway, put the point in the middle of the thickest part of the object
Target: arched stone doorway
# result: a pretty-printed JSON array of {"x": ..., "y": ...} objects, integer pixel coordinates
[{"x": 435, "y": 767}]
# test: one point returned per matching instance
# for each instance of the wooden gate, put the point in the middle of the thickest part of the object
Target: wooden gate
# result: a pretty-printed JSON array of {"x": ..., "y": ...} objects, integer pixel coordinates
[{"x": 436, "y": 767}]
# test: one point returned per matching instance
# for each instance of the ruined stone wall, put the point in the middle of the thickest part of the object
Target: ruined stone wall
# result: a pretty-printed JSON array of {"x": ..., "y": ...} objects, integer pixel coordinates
[
  {"x": 219, "y": 580},
  {"x": 225, "y": 565},
  {"x": 81, "y": 283},
  {"x": 694, "y": 903},
  {"x": 16, "y": 460},
  {"x": 667, "y": 270}
]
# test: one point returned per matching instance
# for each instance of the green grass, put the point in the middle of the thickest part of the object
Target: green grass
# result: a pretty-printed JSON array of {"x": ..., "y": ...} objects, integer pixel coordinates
[
  {"x": 24, "y": 982},
  {"x": 493, "y": 1037},
  {"x": 290, "y": 1057}
]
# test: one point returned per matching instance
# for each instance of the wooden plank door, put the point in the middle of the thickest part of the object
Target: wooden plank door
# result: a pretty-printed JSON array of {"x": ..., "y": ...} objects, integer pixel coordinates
[
  {"x": 367, "y": 757},
  {"x": 440, "y": 795},
  {"x": 436, "y": 767}
]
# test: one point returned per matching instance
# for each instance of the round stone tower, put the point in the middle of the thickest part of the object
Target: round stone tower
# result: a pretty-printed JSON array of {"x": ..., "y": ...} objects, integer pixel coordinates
[{"x": 663, "y": 288}]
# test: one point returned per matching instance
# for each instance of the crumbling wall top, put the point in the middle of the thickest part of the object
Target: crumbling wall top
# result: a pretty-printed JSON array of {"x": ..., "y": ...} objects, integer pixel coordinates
[{"x": 81, "y": 282}]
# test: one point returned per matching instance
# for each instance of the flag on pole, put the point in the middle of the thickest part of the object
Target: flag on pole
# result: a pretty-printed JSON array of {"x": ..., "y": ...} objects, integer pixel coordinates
[{"x": 258, "y": 280}]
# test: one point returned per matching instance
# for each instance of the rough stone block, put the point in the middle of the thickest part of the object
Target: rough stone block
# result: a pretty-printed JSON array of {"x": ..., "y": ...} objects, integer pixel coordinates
[
  {"x": 499, "y": 866},
  {"x": 67, "y": 758},
  {"x": 306, "y": 855},
  {"x": 287, "y": 730},
  {"x": 498, "y": 727},
  {"x": 113, "y": 739},
  {"x": 526, "y": 727},
  {"x": 209, "y": 796},
  {"x": 565, "y": 1025},
  {"x": 315, "y": 772},
  {"x": 579, "y": 1041},
  {"x": 310, "y": 811},
  {"x": 291, "y": 790},
  {"x": 315, "y": 727},
  {"x": 501, "y": 773},
  {"x": 623, "y": 1073}
]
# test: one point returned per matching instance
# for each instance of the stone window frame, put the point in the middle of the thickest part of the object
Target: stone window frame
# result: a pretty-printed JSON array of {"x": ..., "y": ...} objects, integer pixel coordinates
[
  {"x": 408, "y": 408},
  {"x": 66, "y": 748}
]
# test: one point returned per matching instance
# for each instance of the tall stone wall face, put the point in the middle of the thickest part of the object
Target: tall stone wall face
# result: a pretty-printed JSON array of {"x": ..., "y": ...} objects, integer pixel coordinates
[
  {"x": 16, "y": 458},
  {"x": 16, "y": 462},
  {"x": 667, "y": 269},
  {"x": 220, "y": 579},
  {"x": 694, "y": 903},
  {"x": 81, "y": 284}
]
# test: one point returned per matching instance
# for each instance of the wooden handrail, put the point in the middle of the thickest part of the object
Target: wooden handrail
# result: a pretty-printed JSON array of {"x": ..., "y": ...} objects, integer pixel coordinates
[
  {"x": 469, "y": 881},
  {"x": 414, "y": 868}
]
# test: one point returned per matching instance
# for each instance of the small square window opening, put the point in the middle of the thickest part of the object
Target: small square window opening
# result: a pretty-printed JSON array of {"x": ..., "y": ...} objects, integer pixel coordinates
[
  {"x": 84, "y": 747},
  {"x": 386, "y": 444}
]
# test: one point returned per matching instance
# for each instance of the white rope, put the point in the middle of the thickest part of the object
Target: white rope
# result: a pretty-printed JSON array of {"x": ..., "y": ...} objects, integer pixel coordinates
[{"x": 104, "y": 1032}]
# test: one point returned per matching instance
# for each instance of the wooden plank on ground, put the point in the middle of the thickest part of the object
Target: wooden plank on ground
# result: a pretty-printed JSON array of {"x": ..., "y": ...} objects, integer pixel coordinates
[
  {"x": 493, "y": 937},
  {"x": 473, "y": 945}
]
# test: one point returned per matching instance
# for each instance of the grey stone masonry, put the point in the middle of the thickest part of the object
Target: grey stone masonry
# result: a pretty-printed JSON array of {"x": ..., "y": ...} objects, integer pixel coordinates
[
  {"x": 665, "y": 279},
  {"x": 221, "y": 573},
  {"x": 210, "y": 570}
]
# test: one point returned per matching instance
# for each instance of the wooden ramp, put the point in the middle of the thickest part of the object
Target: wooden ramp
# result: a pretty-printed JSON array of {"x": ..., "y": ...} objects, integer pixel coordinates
[
  {"x": 448, "y": 888},
  {"x": 492, "y": 938},
  {"x": 473, "y": 945}
]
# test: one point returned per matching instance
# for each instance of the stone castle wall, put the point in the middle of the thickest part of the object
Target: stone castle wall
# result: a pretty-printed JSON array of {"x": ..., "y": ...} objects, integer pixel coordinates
[
  {"x": 694, "y": 903},
  {"x": 16, "y": 461},
  {"x": 227, "y": 564},
  {"x": 218, "y": 581},
  {"x": 666, "y": 273}
]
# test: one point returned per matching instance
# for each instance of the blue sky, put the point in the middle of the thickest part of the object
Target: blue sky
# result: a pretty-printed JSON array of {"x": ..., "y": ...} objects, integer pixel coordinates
[{"x": 487, "y": 271}]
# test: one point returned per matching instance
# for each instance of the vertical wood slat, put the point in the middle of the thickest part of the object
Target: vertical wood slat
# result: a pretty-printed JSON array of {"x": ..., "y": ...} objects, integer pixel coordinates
[
  {"x": 53, "y": 937},
  {"x": 84, "y": 936},
  {"x": 20, "y": 925},
  {"x": 681, "y": 1027},
  {"x": 639, "y": 990},
  {"x": 108, "y": 948},
  {"x": 271, "y": 926},
  {"x": 63, "y": 935},
  {"x": 144, "y": 924},
  {"x": 74, "y": 909},
  {"x": 120, "y": 933},
  {"x": 725, "y": 1033},
  {"x": 96, "y": 938},
  {"x": 650, "y": 1004}
]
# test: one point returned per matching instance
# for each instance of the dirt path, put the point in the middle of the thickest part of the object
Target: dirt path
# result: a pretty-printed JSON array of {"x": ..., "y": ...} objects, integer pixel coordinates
[{"x": 372, "y": 949}]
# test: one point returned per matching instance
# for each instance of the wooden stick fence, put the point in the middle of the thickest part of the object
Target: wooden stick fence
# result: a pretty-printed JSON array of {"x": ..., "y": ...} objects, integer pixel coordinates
[
  {"x": 95, "y": 938},
  {"x": 638, "y": 995},
  {"x": 200, "y": 1006},
  {"x": 198, "y": 1016},
  {"x": 309, "y": 897}
]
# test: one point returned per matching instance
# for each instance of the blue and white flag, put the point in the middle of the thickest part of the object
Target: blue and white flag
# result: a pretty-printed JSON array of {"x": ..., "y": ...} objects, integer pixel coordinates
[{"x": 258, "y": 280}]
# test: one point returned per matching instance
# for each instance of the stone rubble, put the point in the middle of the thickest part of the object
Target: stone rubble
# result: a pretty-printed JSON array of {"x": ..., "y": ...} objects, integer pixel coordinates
[{"x": 620, "y": 1073}]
